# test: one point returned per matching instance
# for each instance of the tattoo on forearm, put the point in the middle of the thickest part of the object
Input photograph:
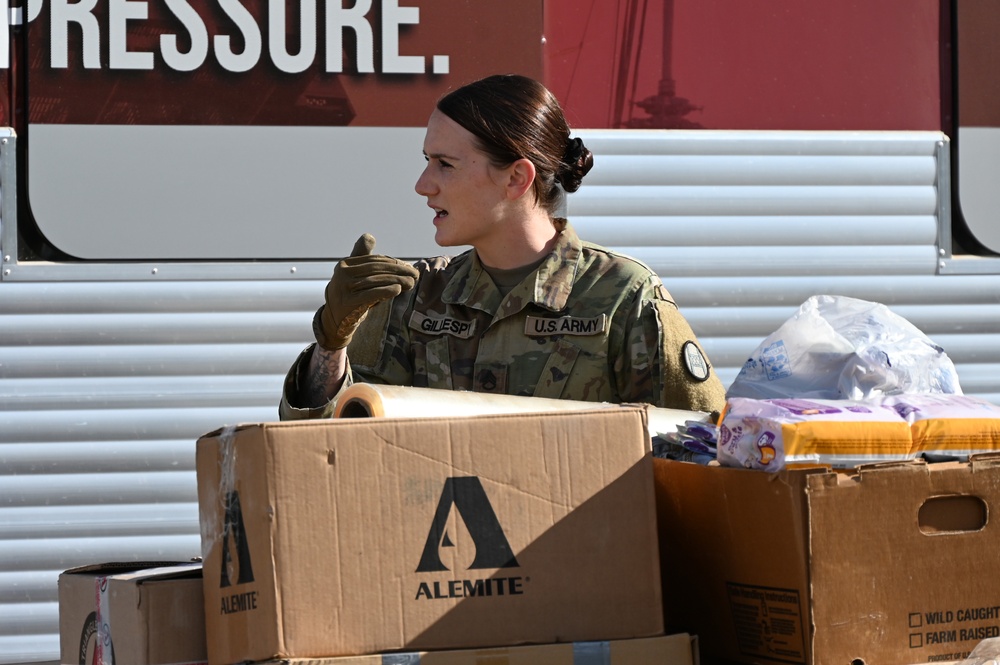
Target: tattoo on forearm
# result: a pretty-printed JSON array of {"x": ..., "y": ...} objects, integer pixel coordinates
[{"x": 317, "y": 384}]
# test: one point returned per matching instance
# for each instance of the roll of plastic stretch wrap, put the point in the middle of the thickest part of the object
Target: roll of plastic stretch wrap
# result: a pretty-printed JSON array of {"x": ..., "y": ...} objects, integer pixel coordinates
[{"x": 369, "y": 400}]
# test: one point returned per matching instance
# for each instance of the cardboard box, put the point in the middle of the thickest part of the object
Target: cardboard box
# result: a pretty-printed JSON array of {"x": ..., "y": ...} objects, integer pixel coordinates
[
  {"x": 136, "y": 613},
  {"x": 663, "y": 650},
  {"x": 888, "y": 564},
  {"x": 359, "y": 536}
]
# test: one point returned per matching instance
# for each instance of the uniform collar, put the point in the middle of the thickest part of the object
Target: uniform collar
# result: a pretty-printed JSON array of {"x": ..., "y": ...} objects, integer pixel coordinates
[{"x": 549, "y": 286}]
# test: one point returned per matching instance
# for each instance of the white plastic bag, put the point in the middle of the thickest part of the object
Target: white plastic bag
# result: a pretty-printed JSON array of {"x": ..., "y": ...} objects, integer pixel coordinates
[{"x": 837, "y": 347}]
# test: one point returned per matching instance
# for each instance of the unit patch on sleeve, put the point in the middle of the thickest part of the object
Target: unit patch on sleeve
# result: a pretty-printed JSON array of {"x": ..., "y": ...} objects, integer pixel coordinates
[
  {"x": 537, "y": 326},
  {"x": 695, "y": 361},
  {"x": 442, "y": 325}
]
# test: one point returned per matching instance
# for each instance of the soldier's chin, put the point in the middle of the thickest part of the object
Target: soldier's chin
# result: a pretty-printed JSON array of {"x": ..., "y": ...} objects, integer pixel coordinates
[{"x": 443, "y": 240}]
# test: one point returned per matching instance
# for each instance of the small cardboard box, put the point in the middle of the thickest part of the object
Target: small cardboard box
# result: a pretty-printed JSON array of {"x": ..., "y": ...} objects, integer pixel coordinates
[
  {"x": 888, "y": 564},
  {"x": 360, "y": 536},
  {"x": 664, "y": 650},
  {"x": 137, "y": 613}
]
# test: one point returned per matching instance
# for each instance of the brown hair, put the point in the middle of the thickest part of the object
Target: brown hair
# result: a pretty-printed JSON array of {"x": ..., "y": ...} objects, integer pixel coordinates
[{"x": 515, "y": 117}]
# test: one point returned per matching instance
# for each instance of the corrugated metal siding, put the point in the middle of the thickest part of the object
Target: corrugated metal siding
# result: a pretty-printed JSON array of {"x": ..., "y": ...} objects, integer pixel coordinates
[
  {"x": 104, "y": 388},
  {"x": 105, "y": 385},
  {"x": 745, "y": 226}
]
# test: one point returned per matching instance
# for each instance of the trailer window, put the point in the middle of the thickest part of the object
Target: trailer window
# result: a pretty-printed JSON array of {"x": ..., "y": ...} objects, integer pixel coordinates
[{"x": 976, "y": 141}]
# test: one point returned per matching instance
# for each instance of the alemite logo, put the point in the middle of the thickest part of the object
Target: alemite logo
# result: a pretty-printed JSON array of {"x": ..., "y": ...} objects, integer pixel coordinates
[
  {"x": 237, "y": 568},
  {"x": 466, "y": 496}
]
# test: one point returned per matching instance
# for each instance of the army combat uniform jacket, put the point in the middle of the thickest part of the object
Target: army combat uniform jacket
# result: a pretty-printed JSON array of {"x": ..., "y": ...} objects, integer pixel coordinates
[{"x": 588, "y": 324}]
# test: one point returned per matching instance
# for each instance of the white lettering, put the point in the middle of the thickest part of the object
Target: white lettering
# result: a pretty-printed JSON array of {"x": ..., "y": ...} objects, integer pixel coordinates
[
  {"x": 80, "y": 13},
  {"x": 337, "y": 20},
  {"x": 34, "y": 9},
  {"x": 277, "y": 41},
  {"x": 239, "y": 48},
  {"x": 195, "y": 58},
  {"x": 119, "y": 14},
  {"x": 392, "y": 17},
  {"x": 244, "y": 21}
]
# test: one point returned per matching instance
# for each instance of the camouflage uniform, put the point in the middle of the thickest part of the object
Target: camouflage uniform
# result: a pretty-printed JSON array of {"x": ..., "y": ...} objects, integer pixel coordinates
[{"x": 587, "y": 324}]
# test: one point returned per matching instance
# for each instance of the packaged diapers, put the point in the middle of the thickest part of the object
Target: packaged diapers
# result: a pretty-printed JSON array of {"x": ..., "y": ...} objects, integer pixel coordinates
[
  {"x": 770, "y": 434},
  {"x": 948, "y": 425}
]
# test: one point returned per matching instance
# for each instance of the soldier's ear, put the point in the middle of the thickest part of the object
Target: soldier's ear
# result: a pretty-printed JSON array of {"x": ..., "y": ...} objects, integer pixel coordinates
[{"x": 520, "y": 178}]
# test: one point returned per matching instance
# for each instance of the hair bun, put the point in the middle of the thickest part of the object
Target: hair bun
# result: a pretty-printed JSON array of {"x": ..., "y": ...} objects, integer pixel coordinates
[{"x": 578, "y": 161}]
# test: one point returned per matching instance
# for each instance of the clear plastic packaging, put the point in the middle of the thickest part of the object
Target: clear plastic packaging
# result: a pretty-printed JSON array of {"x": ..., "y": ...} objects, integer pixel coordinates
[{"x": 837, "y": 347}]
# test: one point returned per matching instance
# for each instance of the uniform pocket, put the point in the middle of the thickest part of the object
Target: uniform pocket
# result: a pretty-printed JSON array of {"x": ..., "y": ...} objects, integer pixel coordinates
[
  {"x": 432, "y": 364},
  {"x": 576, "y": 370}
]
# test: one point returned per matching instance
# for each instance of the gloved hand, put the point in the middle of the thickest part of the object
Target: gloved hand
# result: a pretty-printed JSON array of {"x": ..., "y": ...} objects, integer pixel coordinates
[{"x": 359, "y": 282}]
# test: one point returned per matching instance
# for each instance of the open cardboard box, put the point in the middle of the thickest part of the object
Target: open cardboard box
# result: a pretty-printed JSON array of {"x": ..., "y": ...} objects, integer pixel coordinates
[
  {"x": 141, "y": 613},
  {"x": 887, "y": 565},
  {"x": 351, "y": 537}
]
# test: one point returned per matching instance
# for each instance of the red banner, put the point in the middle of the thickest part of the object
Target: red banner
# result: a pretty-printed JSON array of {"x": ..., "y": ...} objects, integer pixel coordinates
[{"x": 251, "y": 62}]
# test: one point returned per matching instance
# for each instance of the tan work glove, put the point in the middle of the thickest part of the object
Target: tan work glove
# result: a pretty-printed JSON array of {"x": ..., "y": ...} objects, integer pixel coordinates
[{"x": 359, "y": 282}]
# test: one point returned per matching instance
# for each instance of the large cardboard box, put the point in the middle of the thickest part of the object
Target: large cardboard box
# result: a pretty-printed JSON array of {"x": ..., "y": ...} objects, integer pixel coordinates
[
  {"x": 359, "y": 536},
  {"x": 137, "y": 613},
  {"x": 888, "y": 564},
  {"x": 664, "y": 650}
]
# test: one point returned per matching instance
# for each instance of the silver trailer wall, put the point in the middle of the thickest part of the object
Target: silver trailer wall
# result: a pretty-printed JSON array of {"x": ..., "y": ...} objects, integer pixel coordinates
[{"x": 110, "y": 372}]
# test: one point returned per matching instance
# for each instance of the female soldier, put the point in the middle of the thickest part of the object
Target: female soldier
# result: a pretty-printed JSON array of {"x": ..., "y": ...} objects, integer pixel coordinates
[{"x": 531, "y": 309}]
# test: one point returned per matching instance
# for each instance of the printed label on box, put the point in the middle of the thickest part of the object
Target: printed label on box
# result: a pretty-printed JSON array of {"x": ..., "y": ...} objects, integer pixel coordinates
[
  {"x": 768, "y": 622},
  {"x": 951, "y": 628}
]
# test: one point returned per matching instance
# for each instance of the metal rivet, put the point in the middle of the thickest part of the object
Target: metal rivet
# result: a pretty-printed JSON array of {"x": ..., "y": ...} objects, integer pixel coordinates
[
  {"x": 293, "y": 270},
  {"x": 155, "y": 270}
]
